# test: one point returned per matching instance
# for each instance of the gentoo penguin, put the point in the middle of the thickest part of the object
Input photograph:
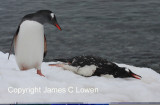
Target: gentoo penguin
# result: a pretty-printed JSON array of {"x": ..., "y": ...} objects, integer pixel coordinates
[
  {"x": 29, "y": 40},
  {"x": 94, "y": 66}
]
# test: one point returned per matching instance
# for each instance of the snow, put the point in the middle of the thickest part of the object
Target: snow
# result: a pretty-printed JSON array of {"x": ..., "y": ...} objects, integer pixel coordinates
[{"x": 22, "y": 86}]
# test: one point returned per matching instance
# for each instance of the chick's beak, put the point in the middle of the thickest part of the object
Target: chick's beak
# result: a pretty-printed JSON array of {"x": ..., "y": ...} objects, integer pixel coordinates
[{"x": 135, "y": 75}]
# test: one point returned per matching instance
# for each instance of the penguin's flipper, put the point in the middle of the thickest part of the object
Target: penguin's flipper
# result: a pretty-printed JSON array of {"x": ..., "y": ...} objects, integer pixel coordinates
[
  {"x": 45, "y": 46},
  {"x": 13, "y": 40}
]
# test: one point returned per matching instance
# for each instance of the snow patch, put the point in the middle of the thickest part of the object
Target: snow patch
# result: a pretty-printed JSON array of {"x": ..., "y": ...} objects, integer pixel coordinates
[{"x": 109, "y": 89}]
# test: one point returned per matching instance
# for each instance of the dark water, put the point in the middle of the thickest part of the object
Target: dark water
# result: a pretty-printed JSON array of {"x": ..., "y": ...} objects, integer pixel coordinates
[{"x": 124, "y": 31}]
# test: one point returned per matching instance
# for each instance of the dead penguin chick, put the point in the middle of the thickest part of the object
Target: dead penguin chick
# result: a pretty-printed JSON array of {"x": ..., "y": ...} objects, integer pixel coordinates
[{"x": 94, "y": 66}]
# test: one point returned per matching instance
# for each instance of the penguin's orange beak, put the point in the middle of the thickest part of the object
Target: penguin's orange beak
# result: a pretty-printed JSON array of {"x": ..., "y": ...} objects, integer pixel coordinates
[
  {"x": 58, "y": 27},
  {"x": 135, "y": 75},
  {"x": 55, "y": 23}
]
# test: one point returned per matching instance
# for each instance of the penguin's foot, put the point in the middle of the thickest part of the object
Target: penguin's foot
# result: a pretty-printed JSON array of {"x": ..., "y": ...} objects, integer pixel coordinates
[
  {"x": 57, "y": 65},
  {"x": 40, "y": 73}
]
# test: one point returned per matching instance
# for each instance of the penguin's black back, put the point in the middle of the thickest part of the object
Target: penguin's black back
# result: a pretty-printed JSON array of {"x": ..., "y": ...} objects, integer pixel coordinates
[{"x": 103, "y": 66}]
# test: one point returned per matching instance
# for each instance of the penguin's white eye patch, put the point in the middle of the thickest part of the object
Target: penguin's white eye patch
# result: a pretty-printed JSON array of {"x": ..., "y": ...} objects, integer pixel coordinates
[
  {"x": 126, "y": 69},
  {"x": 52, "y": 15}
]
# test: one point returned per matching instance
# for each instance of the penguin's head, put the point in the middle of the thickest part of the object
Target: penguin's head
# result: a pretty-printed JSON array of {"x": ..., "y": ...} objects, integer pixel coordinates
[
  {"x": 125, "y": 72},
  {"x": 43, "y": 16},
  {"x": 131, "y": 74}
]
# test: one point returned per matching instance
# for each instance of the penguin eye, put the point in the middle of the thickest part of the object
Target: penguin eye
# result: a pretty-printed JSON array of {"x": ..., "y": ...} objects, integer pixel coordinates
[{"x": 52, "y": 15}]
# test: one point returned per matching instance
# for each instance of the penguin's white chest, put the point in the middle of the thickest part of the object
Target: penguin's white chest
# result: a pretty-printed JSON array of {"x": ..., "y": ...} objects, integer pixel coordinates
[{"x": 29, "y": 46}]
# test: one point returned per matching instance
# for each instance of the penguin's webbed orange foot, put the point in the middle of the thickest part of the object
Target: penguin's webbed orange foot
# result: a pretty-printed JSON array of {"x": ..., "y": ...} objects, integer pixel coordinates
[
  {"x": 57, "y": 65},
  {"x": 40, "y": 73}
]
